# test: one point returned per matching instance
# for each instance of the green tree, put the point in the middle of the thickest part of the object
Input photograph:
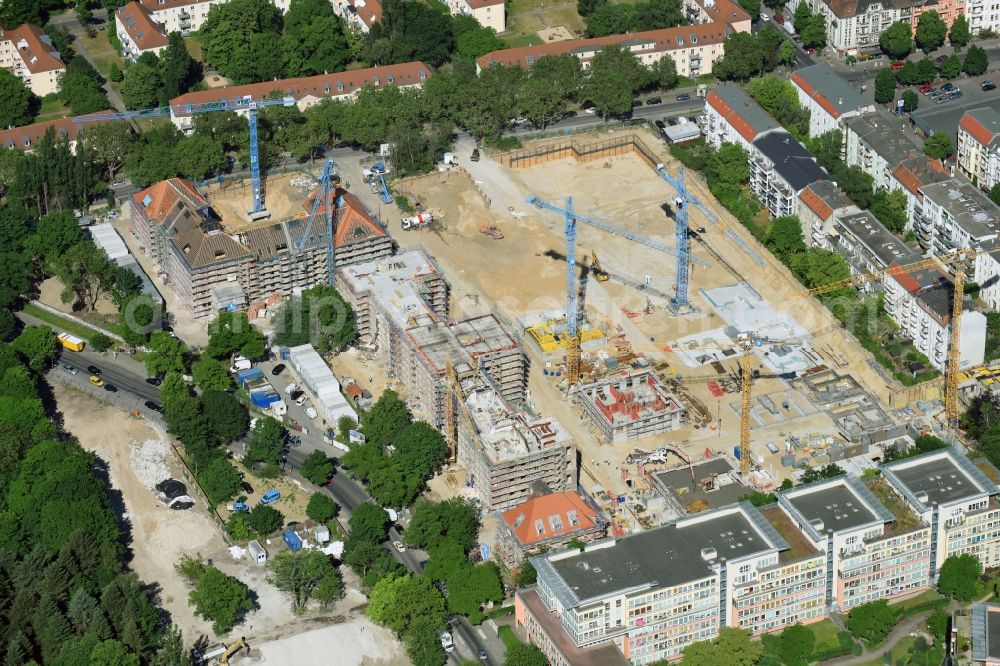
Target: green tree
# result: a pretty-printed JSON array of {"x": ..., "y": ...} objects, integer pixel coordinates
[
  {"x": 167, "y": 354},
  {"x": 313, "y": 41},
  {"x": 110, "y": 143},
  {"x": 931, "y": 31},
  {"x": 410, "y": 31},
  {"x": 433, "y": 523},
  {"x": 872, "y": 622},
  {"x": 890, "y": 209},
  {"x": 221, "y": 599},
  {"x": 86, "y": 274},
  {"x": 473, "y": 587},
  {"x": 320, "y": 317},
  {"x": 321, "y": 508},
  {"x": 960, "y": 35},
  {"x": 142, "y": 86},
  {"x": 299, "y": 573},
  {"x": 728, "y": 165},
  {"x": 211, "y": 374},
  {"x": 38, "y": 346},
  {"x": 742, "y": 59},
  {"x": 238, "y": 526},
  {"x": 787, "y": 54},
  {"x": 801, "y": 17},
  {"x": 885, "y": 86},
  {"x": 19, "y": 105},
  {"x": 614, "y": 77},
  {"x": 813, "y": 474},
  {"x": 951, "y": 67},
  {"x": 82, "y": 94},
  {"x": 733, "y": 647},
  {"x": 396, "y": 602},
  {"x": 100, "y": 342},
  {"x": 976, "y": 61},
  {"x": 526, "y": 575},
  {"x": 897, "y": 40},
  {"x": 959, "y": 577},
  {"x": 265, "y": 519},
  {"x": 199, "y": 157},
  {"x": 219, "y": 479},
  {"x": 177, "y": 69},
  {"x": 524, "y": 654},
  {"x": 814, "y": 34},
  {"x": 265, "y": 443},
  {"x": 472, "y": 39},
  {"x": 387, "y": 417},
  {"x": 796, "y": 645},
  {"x": 939, "y": 146},
  {"x": 317, "y": 467},
  {"x": 995, "y": 194},
  {"x": 784, "y": 238},
  {"x": 610, "y": 19},
  {"x": 242, "y": 39},
  {"x": 758, "y": 498},
  {"x": 225, "y": 415},
  {"x": 665, "y": 73},
  {"x": 112, "y": 653},
  {"x": 231, "y": 332},
  {"x": 115, "y": 74},
  {"x": 926, "y": 71}
]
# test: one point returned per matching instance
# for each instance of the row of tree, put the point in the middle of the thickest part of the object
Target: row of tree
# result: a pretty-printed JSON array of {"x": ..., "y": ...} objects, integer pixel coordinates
[
  {"x": 606, "y": 18},
  {"x": 899, "y": 39}
]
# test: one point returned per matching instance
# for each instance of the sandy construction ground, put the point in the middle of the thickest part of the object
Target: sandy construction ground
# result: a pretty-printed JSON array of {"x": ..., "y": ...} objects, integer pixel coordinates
[{"x": 283, "y": 197}]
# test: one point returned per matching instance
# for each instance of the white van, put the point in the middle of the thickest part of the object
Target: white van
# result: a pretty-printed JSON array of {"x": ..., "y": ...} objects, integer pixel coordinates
[{"x": 446, "y": 642}]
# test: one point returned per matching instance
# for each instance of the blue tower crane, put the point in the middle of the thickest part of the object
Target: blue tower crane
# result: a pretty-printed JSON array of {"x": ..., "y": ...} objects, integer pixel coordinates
[
  {"x": 573, "y": 346},
  {"x": 236, "y": 104},
  {"x": 328, "y": 180},
  {"x": 680, "y": 302},
  {"x": 379, "y": 171}
]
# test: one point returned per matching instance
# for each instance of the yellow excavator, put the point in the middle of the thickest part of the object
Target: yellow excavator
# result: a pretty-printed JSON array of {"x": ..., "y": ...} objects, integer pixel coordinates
[
  {"x": 600, "y": 274},
  {"x": 232, "y": 651}
]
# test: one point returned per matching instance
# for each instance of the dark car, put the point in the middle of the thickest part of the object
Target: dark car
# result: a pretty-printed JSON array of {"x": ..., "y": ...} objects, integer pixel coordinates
[
  {"x": 653, "y": 100},
  {"x": 296, "y": 394},
  {"x": 987, "y": 86},
  {"x": 948, "y": 87},
  {"x": 940, "y": 59},
  {"x": 636, "y": 103},
  {"x": 155, "y": 381},
  {"x": 94, "y": 370},
  {"x": 153, "y": 406},
  {"x": 111, "y": 388},
  {"x": 247, "y": 488},
  {"x": 284, "y": 454},
  {"x": 482, "y": 655},
  {"x": 659, "y": 124},
  {"x": 684, "y": 98},
  {"x": 475, "y": 155},
  {"x": 171, "y": 488},
  {"x": 278, "y": 369},
  {"x": 181, "y": 506}
]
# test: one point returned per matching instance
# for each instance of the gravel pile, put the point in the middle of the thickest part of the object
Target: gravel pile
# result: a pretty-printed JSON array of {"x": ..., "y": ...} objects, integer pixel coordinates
[{"x": 148, "y": 459}]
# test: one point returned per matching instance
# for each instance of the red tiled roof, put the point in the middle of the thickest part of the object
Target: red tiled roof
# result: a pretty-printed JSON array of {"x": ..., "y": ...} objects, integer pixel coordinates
[
  {"x": 369, "y": 11},
  {"x": 738, "y": 122},
  {"x": 353, "y": 222},
  {"x": 15, "y": 137},
  {"x": 160, "y": 5},
  {"x": 164, "y": 194},
  {"x": 34, "y": 48},
  {"x": 144, "y": 32},
  {"x": 978, "y": 131},
  {"x": 911, "y": 180},
  {"x": 322, "y": 85},
  {"x": 522, "y": 518},
  {"x": 478, "y": 4},
  {"x": 904, "y": 278},
  {"x": 653, "y": 41},
  {"x": 816, "y": 204}
]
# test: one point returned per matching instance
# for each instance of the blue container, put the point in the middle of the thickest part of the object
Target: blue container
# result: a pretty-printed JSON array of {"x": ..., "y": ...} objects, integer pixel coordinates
[
  {"x": 736, "y": 452},
  {"x": 292, "y": 539}
]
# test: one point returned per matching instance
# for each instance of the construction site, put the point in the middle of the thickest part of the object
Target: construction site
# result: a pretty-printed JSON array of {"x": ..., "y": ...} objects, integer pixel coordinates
[{"x": 648, "y": 361}]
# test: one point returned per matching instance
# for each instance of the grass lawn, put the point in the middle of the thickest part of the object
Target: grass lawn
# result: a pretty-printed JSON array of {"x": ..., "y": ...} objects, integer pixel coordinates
[
  {"x": 101, "y": 53},
  {"x": 193, "y": 47},
  {"x": 522, "y": 40},
  {"x": 508, "y": 636},
  {"x": 986, "y": 589},
  {"x": 59, "y": 323},
  {"x": 526, "y": 17},
  {"x": 898, "y": 652},
  {"x": 52, "y": 109},
  {"x": 825, "y": 633},
  {"x": 923, "y": 597}
]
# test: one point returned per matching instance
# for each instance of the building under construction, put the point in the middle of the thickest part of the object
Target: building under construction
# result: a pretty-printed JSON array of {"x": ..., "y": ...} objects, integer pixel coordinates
[
  {"x": 401, "y": 310},
  {"x": 632, "y": 406},
  {"x": 214, "y": 266},
  {"x": 506, "y": 451}
]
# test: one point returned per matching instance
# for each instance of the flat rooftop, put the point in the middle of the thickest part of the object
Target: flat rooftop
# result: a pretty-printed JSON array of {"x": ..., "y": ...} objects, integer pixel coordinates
[
  {"x": 993, "y": 631},
  {"x": 798, "y": 545},
  {"x": 838, "y": 506},
  {"x": 883, "y": 132},
  {"x": 507, "y": 435},
  {"x": 880, "y": 243},
  {"x": 661, "y": 557},
  {"x": 627, "y": 399},
  {"x": 694, "y": 497},
  {"x": 942, "y": 475},
  {"x": 395, "y": 282},
  {"x": 969, "y": 206}
]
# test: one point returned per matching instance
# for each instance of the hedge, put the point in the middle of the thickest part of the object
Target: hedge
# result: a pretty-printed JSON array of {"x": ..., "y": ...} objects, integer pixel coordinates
[
  {"x": 932, "y": 605},
  {"x": 846, "y": 646}
]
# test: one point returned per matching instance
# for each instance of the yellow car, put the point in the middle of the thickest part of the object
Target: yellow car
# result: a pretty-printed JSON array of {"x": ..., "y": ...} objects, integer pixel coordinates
[{"x": 96, "y": 381}]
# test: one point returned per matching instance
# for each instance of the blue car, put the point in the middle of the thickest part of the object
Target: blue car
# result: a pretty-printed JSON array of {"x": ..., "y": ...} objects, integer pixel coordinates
[
  {"x": 270, "y": 496},
  {"x": 240, "y": 506},
  {"x": 684, "y": 98}
]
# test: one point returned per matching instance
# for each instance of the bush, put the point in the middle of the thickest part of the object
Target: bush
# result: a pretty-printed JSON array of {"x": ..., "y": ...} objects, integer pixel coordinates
[
  {"x": 934, "y": 604},
  {"x": 265, "y": 519},
  {"x": 321, "y": 507},
  {"x": 238, "y": 526},
  {"x": 100, "y": 342}
]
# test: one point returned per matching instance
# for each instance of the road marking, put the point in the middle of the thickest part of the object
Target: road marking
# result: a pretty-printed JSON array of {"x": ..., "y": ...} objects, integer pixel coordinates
[{"x": 481, "y": 633}]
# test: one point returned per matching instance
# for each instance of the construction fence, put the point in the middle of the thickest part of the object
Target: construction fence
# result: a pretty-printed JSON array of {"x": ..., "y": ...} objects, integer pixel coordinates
[{"x": 582, "y": 152}]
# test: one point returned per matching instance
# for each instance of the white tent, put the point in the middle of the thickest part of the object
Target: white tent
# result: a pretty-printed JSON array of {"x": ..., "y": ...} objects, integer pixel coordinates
[{"x": 318, "y": 379}]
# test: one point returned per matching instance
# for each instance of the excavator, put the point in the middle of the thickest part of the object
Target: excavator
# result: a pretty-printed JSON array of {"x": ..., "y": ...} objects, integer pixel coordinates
[
  {"x": 232, "y": 651},
  {"x": 600, "y": 274}
]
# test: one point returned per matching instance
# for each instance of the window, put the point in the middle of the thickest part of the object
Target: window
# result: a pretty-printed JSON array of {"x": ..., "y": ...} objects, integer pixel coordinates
[
  {"x": 530, "y": 59},
  {"x": 571, "y": 516},
  {"x": 539, "y": 527},
  {"x": 340, "y": 86},
  {"x": 423, "y": 75},
  {"x": 388, "y": 78}
]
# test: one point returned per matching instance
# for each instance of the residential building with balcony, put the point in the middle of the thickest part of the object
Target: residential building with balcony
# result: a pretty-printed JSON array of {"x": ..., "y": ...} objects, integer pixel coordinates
[
  {"x": 978, "y": 150},
  {"x": 947, "y": 11},
  {"x": 780, "y": 168},
  {"x": 987, "y": 275},
  {"x": 921, "y": 303},
  {"x": 830, "y": 100},
  {"x": 876, "y": 142},
  {"x": 867, "y": 245},
  {"x": 733, "y": 117},
  {"x": 983, "y": 15},
  {"x": 489, "y": 13},
  {"x": 547, "y": 521},
  {"x": 138, "y": 32},
  {"x": 820, "y": 205},
  {"x": 955, "y": 214},
  {"x": 28, "y": 53},
  {"x": 956, "y": 497},
  {"x": 910, "y": 176},
  {"x": 306, "y": 91},
  {"x": 650, "y": 594},
  {"x": 854, "y": 26},
  {"x": 871, "y": 552}
]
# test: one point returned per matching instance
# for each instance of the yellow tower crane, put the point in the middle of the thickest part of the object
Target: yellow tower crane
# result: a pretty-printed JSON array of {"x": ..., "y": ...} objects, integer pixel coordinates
[{"x": 452, "y": 395}]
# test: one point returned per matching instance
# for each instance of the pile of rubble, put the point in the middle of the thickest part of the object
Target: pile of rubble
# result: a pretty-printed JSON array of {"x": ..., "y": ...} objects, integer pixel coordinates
[{"x": 149, "y": 461}]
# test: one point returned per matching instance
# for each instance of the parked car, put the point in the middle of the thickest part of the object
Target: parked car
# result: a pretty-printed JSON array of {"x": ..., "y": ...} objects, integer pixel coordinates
[
  {"x": 926, "y": 88},
  {"x": 291, "y": 388},
  {"x": 987, "y": 86},
  {"x": 301, "y": 400},
  {"x": 153, "y": 406},
  {"x": 896, "y": 66},
  {"x": 653, "y": 100},
  {"x": 246, "y": 487},
  {"x": 398, "y": 545},
  {"x": 110, "y": 388},
  {"x": 278, "y": 369},
  {"x": 590, "y": 110},
  {"x": 940, "y": 59},
  {"x": 659, "y": 124},
  {"x": 94, "y": 370},
  {"x": 475, "y": 155},
  {"x": 482, "y": 655},
  {"x": 69, "y": 368},
  {"x": 155, "y": 381},
  {"x": 810, "y": 50},
  {"x": 955, "y": 94},
  {"x": 270, "y": 497},
  {"x": 948, "y": 87},
  {"x": 96, "y": 381},
  {"x": 764, "y": 17},
  {"x": 778, "y": 18},
  {"x": 684, "y": 98}
]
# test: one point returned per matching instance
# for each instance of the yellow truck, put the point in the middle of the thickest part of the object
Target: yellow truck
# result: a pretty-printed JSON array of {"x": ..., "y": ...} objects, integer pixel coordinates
[{"x": 71, "y": 342}]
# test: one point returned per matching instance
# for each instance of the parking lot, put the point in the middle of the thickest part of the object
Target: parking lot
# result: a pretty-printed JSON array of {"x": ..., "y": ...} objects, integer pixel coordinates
[{"x": 932, "y": 116}]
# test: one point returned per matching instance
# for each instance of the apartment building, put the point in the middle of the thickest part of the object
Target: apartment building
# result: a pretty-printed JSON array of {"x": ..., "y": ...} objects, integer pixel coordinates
[
  {"x": 212, "y": 267},
  {"x": 306, "y": 91},
  {"x": 872, "y": 552},
  {"x": 921, "y": 303},
  {"x": 401, "y": 312},
  {"x": 955, "y": 214},
  {"x": 28, "y": 53},
  {"x": 987, "y": 275},
  {"x": 780, "y": 168},
  {"x": 947, "y": 11},
  {"x": 734, "y": 117},
  {"x": 978, "y": 150},
  {"x": 547, "y": 521},
  {"x": 650, "y": 594},
  {"x": 983, "y": 15},
  {"x": 877, "y": 142},
  {"x": 854, "y": 26},
  {"x": 910, "y": 176},
  {"x": 26, "y": 137},
  {"x": 138, "y": 32},
  {"x": 507, "y": 451},
  {"x": 360, "y": 15},
  {"x": 867, "y": 245},
  {"x": 956, "y": 497},
  {"x": 830, "y": 100},
  {"x": 820, "y": 205},
  {"x": 489, "y": 13},
  {"x": 633, "y": 406}
]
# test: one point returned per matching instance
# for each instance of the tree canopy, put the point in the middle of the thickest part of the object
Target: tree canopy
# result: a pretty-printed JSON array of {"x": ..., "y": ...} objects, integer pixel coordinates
[
  {"x": 931, "y": 31},
  {"x": 305, "y": 575},
  {"x": 872, "y": 622},
  {"x": 733, "y": 647},
  {"x": 897, "y": 40},
  {"x": 959, "y": 577}
]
